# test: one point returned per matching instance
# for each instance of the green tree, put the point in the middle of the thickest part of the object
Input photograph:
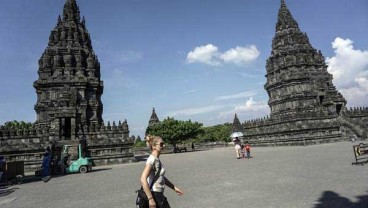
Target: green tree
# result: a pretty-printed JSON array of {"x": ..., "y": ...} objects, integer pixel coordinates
[
  {"x": 175, "y": 131},
  {"x": 219, "y": 132},
  {"x": 139, "y": 143},
  {"x": 138, "y": 139},
  {"x": 17, "y": 124}
]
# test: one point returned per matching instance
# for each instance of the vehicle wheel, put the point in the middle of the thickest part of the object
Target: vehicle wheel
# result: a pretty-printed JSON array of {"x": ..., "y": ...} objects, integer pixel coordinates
[{"x": 83, "y": 169}]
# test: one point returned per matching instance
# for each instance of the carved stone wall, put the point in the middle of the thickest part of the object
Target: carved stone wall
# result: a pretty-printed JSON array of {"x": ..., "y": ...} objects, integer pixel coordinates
[
  {"x": 108, "y": 144},
  {"x": 275, "y": 132},
  {"x": 69, "y": 106},
  {"x": 69, "y": 86},
  {"x": 305, "y": 106}
]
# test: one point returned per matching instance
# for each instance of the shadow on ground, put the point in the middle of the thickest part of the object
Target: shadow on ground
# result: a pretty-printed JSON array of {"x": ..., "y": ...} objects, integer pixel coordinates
[
  {"x": 100, "y": 169},
  {"x": 19, "y": 180},
  {"x": 6, "y": 190},
  {"x": 140, "y": 158},
  {"x": 33, "y": 178},
  {"x": 331, "y": 199}
]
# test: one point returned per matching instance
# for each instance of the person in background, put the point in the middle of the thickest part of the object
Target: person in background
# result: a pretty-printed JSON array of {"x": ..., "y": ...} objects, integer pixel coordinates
[
  {"x": 247, "y": 149},
  {"x": 46, "y": 166},
  {"x": 237, "y": 147},
  {"x": 2, "y": 167},
  {"x": 154, "y": 172},
  {"x": 243, "y": 150}
]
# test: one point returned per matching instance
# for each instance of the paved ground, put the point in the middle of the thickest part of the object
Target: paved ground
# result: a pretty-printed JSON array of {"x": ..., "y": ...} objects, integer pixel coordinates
[{"x": 312, "y": 176}]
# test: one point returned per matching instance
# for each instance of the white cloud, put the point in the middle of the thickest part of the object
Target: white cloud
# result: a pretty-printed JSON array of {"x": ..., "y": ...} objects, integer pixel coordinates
[
  {"x": 356, "y": 96},
  {"x": 195, "y": 111},
  {"x": 249, "y": 110},
  {"x": 240, "y": 55},
  {"x": 350, "y": 71},
  {"x": 251, "y": 106},
  {"x": 235, "y": 96},
  {"x": 363, "y": 83},
  {"x": 209, "y": 54}
]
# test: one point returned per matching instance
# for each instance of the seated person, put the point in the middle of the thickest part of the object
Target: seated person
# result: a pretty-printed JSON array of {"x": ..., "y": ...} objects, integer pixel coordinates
[{"x": 2, "y": 167}]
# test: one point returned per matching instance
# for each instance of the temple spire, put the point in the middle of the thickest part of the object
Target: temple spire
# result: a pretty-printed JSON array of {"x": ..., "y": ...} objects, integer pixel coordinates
[
  {"x": 294, "y": 58},
  {"x": 71, "y": 11},
  {"x": 285, "y": 19},
  {"x": 68, "y": 71},
  {"x": 237, "y": 127},
  {"x": 83, "y": 22},
  {"x": 154, "y": 118}
]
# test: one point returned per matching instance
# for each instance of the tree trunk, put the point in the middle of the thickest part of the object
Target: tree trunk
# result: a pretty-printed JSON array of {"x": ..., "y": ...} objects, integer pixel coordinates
[{"x": 174, "y": 145}]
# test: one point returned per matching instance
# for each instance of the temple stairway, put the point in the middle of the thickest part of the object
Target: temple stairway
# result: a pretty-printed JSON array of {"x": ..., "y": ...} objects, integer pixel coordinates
[{"x": 357, "y": 127}]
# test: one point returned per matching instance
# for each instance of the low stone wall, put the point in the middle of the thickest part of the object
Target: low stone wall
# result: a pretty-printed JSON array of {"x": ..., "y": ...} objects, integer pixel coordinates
[
  {"x": 101, "y": 155},
  {"x": 112, "y": 154},
  {"x": 294, "y": 132},
  {"x": 32, "y": 159},
  {"x": 108, "y": 144},
  {"x": 138, "y": 151}
]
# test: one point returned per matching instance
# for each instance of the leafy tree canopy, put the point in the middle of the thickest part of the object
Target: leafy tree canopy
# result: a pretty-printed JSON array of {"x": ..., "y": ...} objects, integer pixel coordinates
[
  {"x": 17, "y": 124},
  {"x": 175, "y": 131},
  {"x": 139, "y": 143},
  {"x": 139, "y": 138},
  {"x": 219, "y": 132}
]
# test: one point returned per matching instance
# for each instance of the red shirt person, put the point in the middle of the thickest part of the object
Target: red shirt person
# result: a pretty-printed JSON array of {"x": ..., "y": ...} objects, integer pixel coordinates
[{"x": 247, "y": 149}]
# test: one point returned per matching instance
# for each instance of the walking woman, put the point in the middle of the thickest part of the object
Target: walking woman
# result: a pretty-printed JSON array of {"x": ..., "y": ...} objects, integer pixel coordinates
[{"x": 153, "y": 178}]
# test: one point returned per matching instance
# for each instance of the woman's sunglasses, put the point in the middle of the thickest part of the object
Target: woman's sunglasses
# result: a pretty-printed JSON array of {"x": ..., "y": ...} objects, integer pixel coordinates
[{"x": 161, "y": 144}]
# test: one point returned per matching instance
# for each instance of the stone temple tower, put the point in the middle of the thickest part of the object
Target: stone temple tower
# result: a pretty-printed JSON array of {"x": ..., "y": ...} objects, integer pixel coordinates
[
  {"x": 69, "y": 108},
  {"x": 236, "y": 127},
  {"x": 154, "y": 119},
  {"x": 298, "y": 83},
  {"x": 305, "y": 106},
  {"x": 69, "y": 86}
]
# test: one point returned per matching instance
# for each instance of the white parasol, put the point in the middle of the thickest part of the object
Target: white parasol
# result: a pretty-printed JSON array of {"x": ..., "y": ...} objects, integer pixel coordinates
[{"x": 236, "y": 134}]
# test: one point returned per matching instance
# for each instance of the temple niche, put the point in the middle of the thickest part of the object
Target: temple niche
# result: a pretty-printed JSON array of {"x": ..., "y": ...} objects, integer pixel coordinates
[
  {"x": 305, "y": 106},
  {"x": 69, "y": 107}
]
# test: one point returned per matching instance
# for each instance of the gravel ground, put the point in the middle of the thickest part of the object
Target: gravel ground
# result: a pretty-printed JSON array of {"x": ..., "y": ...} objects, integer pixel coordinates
[{"x": 312, "y": 176}]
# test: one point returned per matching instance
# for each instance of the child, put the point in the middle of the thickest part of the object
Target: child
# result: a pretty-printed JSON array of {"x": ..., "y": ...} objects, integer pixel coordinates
[
  {"x": 243, "y": 151},
  {"x": 247, "y": 149}
]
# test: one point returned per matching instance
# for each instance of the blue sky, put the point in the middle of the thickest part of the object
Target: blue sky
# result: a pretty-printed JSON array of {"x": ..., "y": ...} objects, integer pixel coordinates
[{"x": 202, "y": 60}]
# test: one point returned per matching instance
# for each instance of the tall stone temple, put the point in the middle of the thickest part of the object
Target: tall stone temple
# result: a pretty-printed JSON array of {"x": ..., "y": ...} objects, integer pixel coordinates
[
  {"x": 69, "y": 86},
  {"x": 153, "y": 119},
  {"x": 305, "y": 106},
  {"x": 237, "y": 127},
  {"x": 69, "y": 107}
]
